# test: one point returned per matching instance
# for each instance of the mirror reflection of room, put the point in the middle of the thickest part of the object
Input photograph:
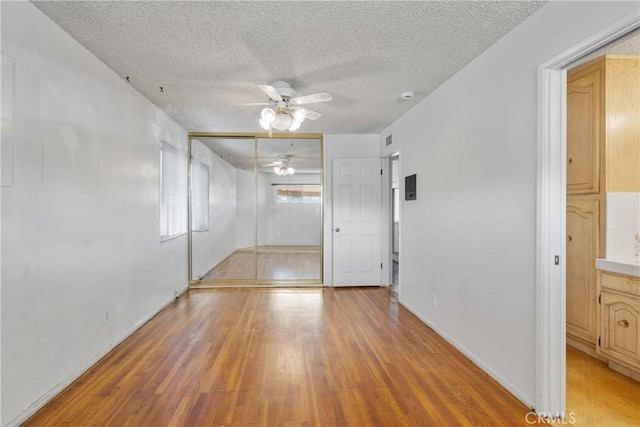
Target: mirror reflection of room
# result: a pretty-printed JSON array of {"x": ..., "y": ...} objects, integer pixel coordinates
[
  {"x": 222, "y": 211},
  {"x": 289, "y": 206},
  {"x": 262, "y": 200}
]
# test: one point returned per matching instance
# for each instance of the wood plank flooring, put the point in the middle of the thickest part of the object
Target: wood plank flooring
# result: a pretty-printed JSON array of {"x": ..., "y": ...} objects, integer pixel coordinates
[
  {"x": 284, "y": 357},
  {"x": 599, "y": 396},
  {"x": 273, "y": 263},
  {"x": 237, "y": 266}
]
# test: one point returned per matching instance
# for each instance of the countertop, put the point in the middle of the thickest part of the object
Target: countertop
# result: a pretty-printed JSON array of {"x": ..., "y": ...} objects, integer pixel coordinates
[{"x": 628, "y": 267}]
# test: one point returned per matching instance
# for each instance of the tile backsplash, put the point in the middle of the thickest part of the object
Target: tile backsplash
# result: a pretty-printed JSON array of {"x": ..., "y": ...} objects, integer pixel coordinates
[{"x": 623, "y": 226}]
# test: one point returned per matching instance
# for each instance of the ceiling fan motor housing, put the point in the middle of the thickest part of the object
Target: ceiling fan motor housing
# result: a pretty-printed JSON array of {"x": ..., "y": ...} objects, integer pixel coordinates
[{"x": 284, "y": 89}]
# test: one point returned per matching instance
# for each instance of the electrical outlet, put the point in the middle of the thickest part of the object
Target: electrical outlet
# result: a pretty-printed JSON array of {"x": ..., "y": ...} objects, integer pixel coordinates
[
  {"x": 105, "y": 317},
  {"x": 433, "y": 301}
]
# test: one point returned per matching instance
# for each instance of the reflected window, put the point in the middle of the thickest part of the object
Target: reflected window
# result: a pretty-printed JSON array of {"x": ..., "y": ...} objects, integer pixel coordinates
[
  {"x": 173, "y": 192},
  {"x": 199, "y": 196},
  {"x": 292, "y": 193}
]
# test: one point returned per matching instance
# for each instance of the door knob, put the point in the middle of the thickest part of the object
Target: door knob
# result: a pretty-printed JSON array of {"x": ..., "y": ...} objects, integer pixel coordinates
[
  {"x": 569, "y": 238},
  {"x": 337, "y": 229}
]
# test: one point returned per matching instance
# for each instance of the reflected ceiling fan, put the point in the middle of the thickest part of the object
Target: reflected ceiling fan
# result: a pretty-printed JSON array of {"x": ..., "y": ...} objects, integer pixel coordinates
[
  {"x": 283, "y": 109},
  {"x": 281, "y": 166}
]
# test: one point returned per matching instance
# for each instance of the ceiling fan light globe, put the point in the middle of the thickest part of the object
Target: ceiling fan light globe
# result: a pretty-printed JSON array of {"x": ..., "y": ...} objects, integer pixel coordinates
[
  {"x": 268, "y": 115},
  {"x": 290, "y": 171},
  {"x": 295, "y": 125},
  {"x": 298, "y": 115},
  {"x": 282, "y": 122},
  {"x": 264, "y": 124}
]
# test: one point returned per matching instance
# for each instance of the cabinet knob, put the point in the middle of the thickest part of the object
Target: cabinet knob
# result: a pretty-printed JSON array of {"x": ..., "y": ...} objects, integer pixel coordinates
[
  {"x": 570, "y": 160},
  {"x": 569, "y": 239},
  {"x": 624, "y": 323}
]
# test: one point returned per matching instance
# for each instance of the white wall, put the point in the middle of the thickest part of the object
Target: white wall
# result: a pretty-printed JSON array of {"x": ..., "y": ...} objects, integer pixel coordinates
[
  {"x": 623, "y": 226},
  {"x": 219, "y": 241},
  {"x": 340, "y": 146},
  {"x": 80, "y": 214},
  {"x": 272, "y": 228},
  {"x": 470, "y": 237},
  {"x": 245, "y": 208}
]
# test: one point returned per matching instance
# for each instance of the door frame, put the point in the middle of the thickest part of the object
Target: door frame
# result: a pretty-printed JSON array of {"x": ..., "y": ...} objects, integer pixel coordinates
[
  {"x": 551, "y": 217},
  {"x": 387, "y": 219}
]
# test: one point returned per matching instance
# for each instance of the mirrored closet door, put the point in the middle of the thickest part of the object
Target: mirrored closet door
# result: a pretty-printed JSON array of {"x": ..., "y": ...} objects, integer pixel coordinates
[
  {"x": 222, "y": 210},
  {"x": 289, "y": 209},
  {"x": 256, "y": 210}
]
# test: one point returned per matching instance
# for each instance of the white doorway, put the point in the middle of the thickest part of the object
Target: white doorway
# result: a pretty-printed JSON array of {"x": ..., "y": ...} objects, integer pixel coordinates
[
  {"x": 551, "y": 217},
  {"x": 357, "y": 216},
  {"x": 395, "y": 223}
]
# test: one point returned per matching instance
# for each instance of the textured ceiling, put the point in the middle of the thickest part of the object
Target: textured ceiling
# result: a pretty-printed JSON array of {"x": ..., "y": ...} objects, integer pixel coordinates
[
  {"x": 304, "y": 154},
  {"x": 630, "y": 46},
  {"x": 210, "y": 55}
]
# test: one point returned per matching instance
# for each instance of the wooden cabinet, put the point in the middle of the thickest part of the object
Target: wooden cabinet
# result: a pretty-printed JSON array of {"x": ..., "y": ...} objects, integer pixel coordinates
[
  {"x": 585, "y": 197},
  {"x": 585, "y": 125},
  {"x": 603, "y": 153},
  {"x": 623, "y": 123},
  {"x": 620, "y": 320},
  {"x": 583, "y": 246},
  {"x": 603, "y": 124}
]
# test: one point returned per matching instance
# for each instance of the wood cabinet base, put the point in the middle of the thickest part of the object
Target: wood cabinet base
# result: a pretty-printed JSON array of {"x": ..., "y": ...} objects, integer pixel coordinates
[
  {"x": 589, "y": 349},
  {"x": 619, "y": 322},
  {"x": 621, "y": 369}
]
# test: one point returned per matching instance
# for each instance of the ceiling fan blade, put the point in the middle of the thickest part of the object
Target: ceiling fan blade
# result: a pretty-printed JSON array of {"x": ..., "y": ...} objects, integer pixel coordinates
[
  {"x": 311, "y": 99},
  {"x": 253, "y": 103},
  {"x": 283, "y": 160},
  {"x": 271, "y": 92},
  {"x": 310, "y": 114}
]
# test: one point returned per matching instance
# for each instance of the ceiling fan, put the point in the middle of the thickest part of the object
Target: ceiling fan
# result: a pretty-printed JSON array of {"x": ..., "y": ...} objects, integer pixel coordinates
[
  {"x": 284, "y": 111},
  {"x": 281, "y": 166}
]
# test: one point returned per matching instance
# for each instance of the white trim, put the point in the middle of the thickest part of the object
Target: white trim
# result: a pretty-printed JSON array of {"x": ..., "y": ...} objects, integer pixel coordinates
[
  {"x": 551, "y": 217},
  {"x": 385, "y": 223},
  {"x": 550, "y": 286},
  {"x": 475, "y": 360},
  {"x": 53, "y": 392},
  {"x": 388, "y": 257}
]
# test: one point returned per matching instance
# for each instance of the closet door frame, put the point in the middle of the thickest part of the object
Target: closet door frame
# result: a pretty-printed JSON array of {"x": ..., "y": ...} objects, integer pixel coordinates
[{"x": 256, "y": 282}]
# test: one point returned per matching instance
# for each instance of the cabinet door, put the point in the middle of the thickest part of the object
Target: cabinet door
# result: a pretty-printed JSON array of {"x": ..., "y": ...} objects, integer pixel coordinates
[
  {"x": 620, "y": 325},
  {"x": 623, "y": 133},
  {"x": 584, "y": 124},
  {"x": 582, "y": 248}
]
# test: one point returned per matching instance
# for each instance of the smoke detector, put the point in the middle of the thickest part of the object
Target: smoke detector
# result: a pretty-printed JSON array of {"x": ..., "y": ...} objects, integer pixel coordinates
[{"x": 406, "y": 96}]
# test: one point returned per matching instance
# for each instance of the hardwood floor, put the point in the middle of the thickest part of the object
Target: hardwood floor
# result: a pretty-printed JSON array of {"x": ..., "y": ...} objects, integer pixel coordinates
[
  {"x": 599, "y": 396},
  {"x": 237, "y": 266},
  {"x": 280, "y": 357},
  {"x": 273, "y": 263}
]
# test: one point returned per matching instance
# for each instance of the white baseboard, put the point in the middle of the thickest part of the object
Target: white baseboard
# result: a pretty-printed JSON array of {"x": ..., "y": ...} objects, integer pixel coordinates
[
  {"x": 48, "y": 396},
  {"x": 479, "y": 363}
]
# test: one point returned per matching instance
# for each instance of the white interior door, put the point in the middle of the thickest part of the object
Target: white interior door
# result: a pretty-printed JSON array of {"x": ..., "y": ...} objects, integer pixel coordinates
[{"x": 357, "y": 227}]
